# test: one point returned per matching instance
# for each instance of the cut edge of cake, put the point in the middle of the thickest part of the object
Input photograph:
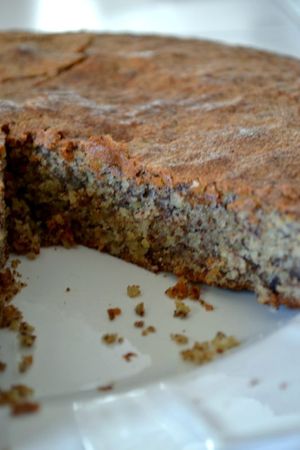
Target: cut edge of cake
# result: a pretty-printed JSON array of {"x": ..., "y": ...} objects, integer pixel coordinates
[{"x": 80, "y": 192}]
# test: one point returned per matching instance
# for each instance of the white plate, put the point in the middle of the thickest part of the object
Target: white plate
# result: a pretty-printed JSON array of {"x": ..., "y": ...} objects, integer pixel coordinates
[
  {"x": 246, "y": 399},
  {"x": 158, "y": 400}
]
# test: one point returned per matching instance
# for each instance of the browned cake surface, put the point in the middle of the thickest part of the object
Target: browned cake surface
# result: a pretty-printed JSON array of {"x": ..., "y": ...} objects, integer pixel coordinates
[
  {"x": 221, "y": 121},
  {"x": 187, "y": 110}
]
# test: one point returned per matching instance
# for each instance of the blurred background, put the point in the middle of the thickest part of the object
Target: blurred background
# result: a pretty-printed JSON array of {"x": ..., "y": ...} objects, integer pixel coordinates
[{"x": 270, "y": 24}]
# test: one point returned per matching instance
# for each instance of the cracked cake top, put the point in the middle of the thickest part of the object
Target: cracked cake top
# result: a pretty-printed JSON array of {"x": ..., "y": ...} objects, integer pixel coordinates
[{"x": 221, "y": 120}]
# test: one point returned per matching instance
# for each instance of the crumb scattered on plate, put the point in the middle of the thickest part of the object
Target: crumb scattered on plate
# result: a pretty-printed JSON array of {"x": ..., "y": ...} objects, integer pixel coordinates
[
  {"x": 128, "y": 356},
  {"x": 112, "y": 338},
  {"x": 139, "y": 323},
  {"x": 2, "y": 366},
  {"x": 133, "y": 290},
  {"x": 183, "y": 289},
  {"x": 140, "y": 309},
  {"x": 207, "y": 306},
  {"x": 203, "y": 352},
  {"x": 68, "y": 289},
  {"x": 26, "y": 336},
  {"x": 148, "y": 330},
  {"x": 11, "y": 317},
  {"x": 9, "y": 286},
  {"x": 105, "y": 388},
  {"x": 113, "y": 313},
  {"x": 15, "y": 263},
  {"x": 180, "y": 339},
  {"x": 18, "y": 399},
  {"x": 25, "y": 363},
  {"x": 182, "y": 310},
  {"x": 18, "y": 409}
]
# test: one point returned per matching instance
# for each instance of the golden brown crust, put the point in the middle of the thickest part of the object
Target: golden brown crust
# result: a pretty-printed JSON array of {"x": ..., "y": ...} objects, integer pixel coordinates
[
  {"x": 173, "y": 111},
  {"x": 26, "y": 55}
]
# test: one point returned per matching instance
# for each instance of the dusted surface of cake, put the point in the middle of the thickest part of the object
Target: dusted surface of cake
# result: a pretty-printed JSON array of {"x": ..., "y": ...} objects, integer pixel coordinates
[{"x": 177, "y": 155}]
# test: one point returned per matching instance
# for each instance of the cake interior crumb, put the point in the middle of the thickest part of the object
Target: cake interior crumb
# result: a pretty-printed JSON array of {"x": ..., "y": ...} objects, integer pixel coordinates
[
  {"x": 182, "y": 310},
  {"x": 113, "y": 313},
  {"x": 203, "y": 352},
  {"x": 15, "y": 263},
  {"x": 185, "y": 289},
  {"x": 150, "y": 329},
  {"x": 180, "y": 339},
  {"x": 140, "y": 309},
  {"x": 133, "y": 290},
  {"x": 18, "y": 398},
  {"x": 128, "y": 356},
  {"x": 105, "y": 388},
  {"x": 112, "y": 338},
  {"x": 25, "y": 363}
]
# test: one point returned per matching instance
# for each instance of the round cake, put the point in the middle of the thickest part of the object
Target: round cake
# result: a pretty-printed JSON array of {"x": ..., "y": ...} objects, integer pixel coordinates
[{"x": 177, "y": 155}]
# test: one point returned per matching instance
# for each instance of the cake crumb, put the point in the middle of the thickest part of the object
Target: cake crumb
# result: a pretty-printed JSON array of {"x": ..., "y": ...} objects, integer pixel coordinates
[
  {"x": 182, "y": 310},
  {"x": 26, "y": 336},
  {"x": 113, "y": 313},
  {"x": 18, "y": 399},
  {"x": 26, "y": 328},
  {"x": 180, "y": 339},
  {"x": 140, "y": 309},
  {"x": 179, "y": 291},
  {"x": 18, "y": 409},
  {"x": 148, "y": 330},
  {"x": 27, "y": 340},
  {"x": 68, "y": 289},
  {"x": 16, "y": 393},
  {"x": 25, "y": 363},
  {"x": 9, "y": 286},
  {"x": 11, "y": 317},
  {"x": 139, "y": 323},
  {"x": 207, "y": 306},
  {"x": 133, "y": 290},
  {"x": 15, "y": 263},
  {"x": 111, "y": 338},
  {"x": 105, "y": 388},
  {"x": 2, "y": 366},
  {"x": 184, "y": 289},
  {"x": 128, "y": 356},
  {"x": 203, "y": 352}
]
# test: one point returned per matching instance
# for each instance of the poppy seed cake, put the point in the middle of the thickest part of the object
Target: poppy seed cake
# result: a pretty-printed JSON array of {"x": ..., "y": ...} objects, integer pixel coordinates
[{"x": 176, "y": 155}]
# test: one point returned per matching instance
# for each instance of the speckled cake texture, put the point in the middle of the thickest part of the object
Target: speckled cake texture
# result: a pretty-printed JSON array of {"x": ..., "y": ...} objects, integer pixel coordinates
[{"x": 177, "y": 155}]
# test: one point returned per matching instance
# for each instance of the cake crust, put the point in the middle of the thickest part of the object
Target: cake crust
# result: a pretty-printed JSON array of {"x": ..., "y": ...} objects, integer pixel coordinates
[
  {"x": 217, "y": 125},
  {"x": 224, "y": 117}
]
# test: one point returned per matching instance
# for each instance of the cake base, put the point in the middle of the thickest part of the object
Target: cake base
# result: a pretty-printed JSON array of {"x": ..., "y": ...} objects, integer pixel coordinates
[{"x": 52, "y": 201}]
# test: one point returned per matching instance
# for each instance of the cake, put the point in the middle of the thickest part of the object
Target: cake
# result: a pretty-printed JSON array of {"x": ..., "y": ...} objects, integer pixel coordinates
[{"x": 177, "y": 155}]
